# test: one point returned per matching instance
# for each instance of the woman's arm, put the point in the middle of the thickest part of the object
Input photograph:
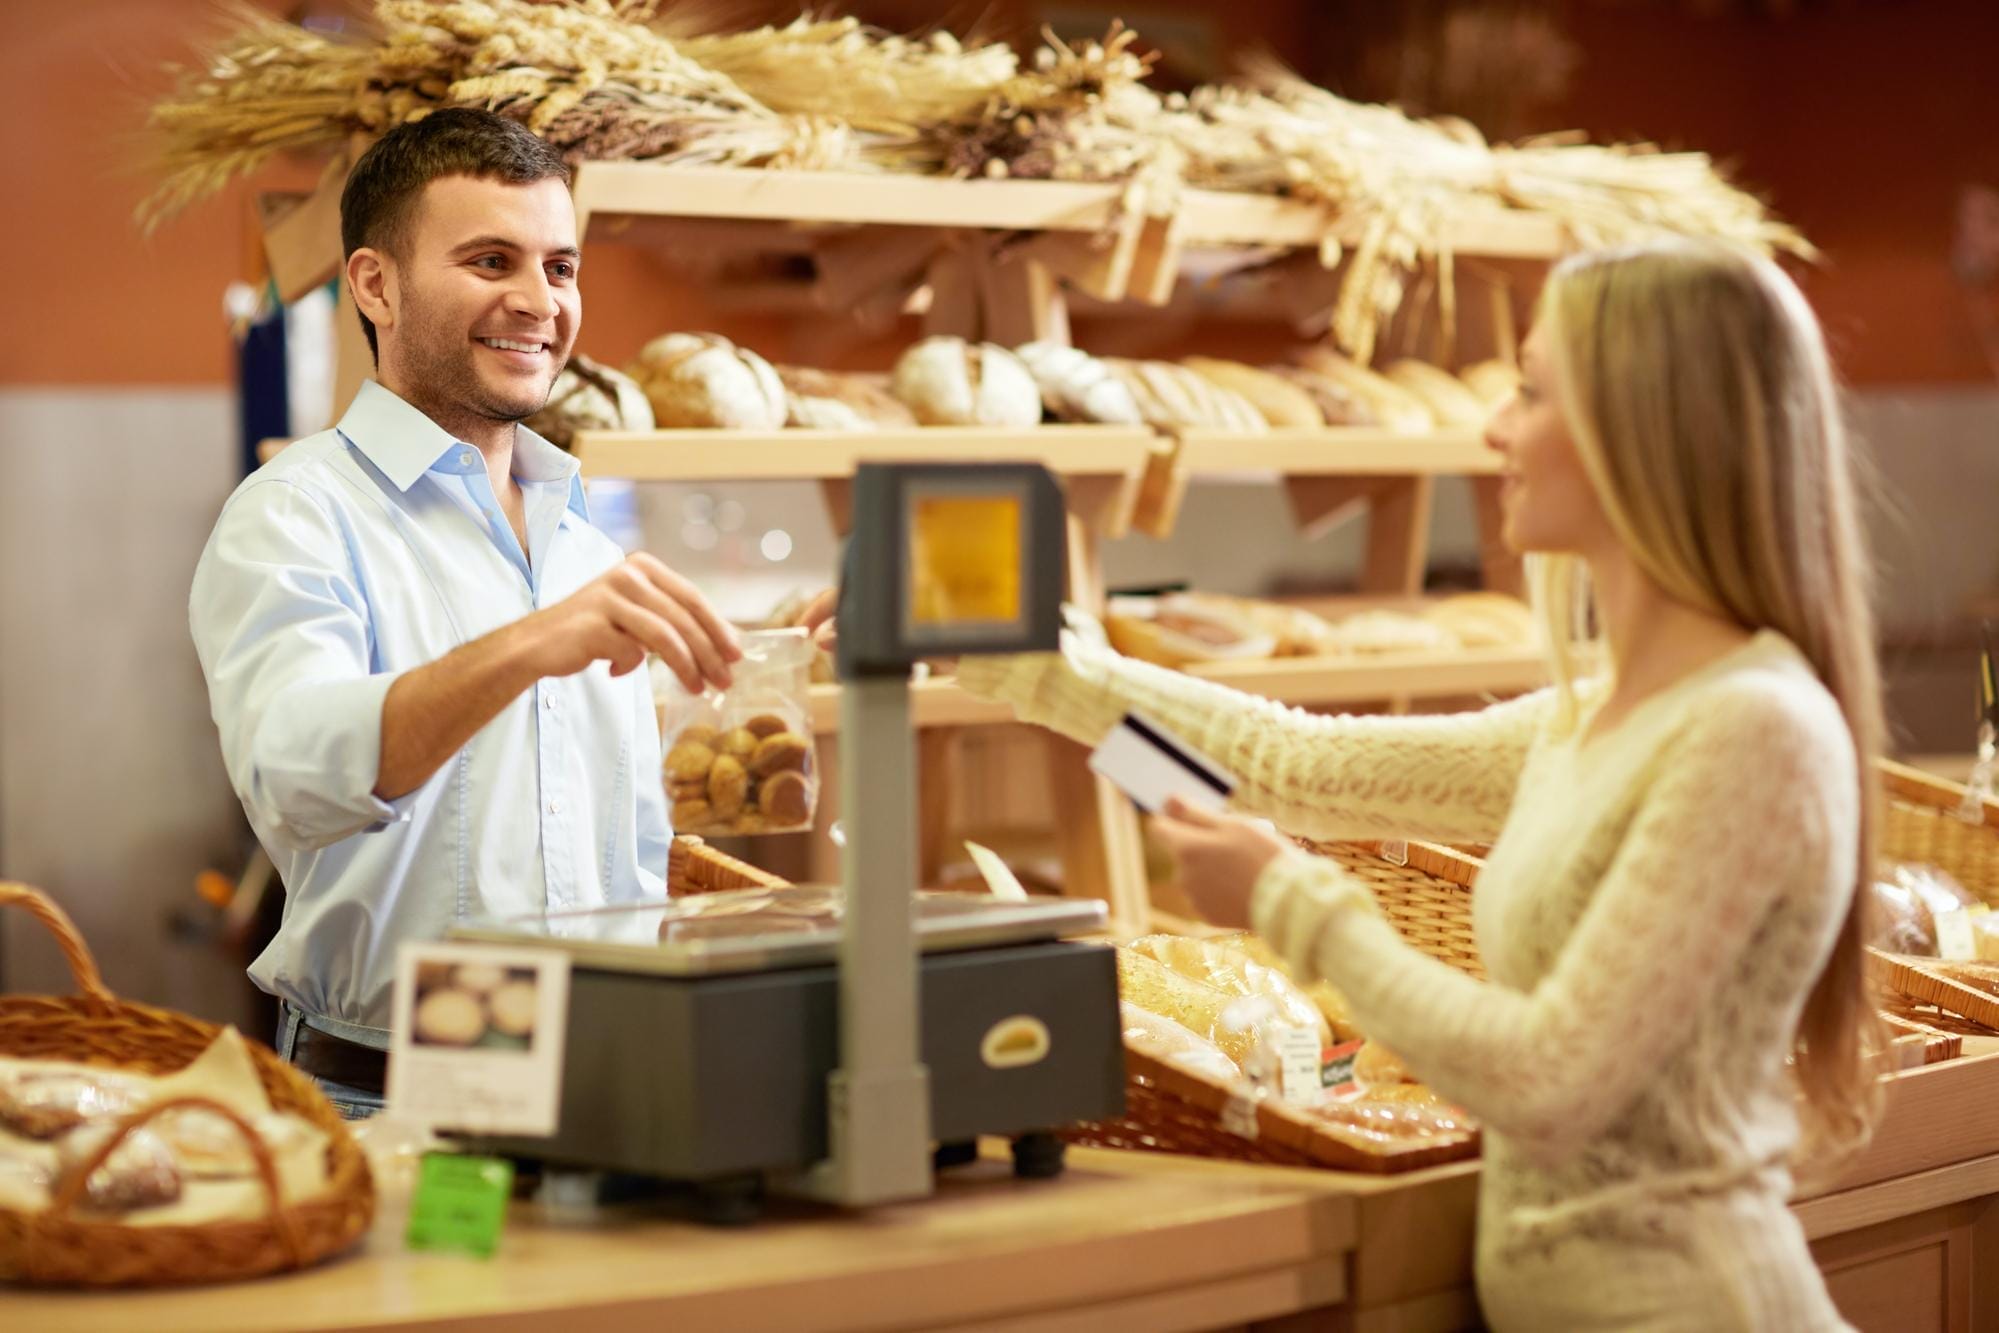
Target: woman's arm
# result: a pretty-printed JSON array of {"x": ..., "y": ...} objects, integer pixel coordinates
[
  {"x": 1755, "y": 804},
  {"x": 1448, "y": 778}
]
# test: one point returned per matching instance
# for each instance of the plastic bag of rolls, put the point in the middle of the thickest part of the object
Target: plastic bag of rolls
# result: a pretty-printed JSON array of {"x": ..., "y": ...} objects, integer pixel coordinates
[{"x": 741, "y": 761}]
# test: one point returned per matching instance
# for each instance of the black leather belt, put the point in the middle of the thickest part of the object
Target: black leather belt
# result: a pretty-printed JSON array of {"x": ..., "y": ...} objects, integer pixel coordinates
[{"x": 337, "y": 1060}]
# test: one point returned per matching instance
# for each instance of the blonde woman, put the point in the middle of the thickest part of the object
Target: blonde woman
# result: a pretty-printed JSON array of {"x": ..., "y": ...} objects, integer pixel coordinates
[{"x": 1671, "y": 907}]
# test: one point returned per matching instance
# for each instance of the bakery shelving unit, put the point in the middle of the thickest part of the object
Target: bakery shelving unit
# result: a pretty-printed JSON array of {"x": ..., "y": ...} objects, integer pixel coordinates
[{"x": 996, "y": 260}]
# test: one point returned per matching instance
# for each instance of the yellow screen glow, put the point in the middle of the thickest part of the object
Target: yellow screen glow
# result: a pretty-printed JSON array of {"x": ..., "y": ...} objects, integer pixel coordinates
[{"x": 964, "y": 559}]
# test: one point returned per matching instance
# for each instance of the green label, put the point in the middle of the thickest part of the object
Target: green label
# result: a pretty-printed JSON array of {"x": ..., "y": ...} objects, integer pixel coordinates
[{"x": 460, "y": 1203}]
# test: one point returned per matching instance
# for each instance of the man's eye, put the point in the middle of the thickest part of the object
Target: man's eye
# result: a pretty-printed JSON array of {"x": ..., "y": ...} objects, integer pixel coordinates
[
  {"x": 563, "y": 270},
  {"x": 493, "y": 262}
]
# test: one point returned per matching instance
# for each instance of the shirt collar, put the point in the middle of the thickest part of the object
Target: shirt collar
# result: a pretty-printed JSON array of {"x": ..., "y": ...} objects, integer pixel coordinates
[{"x": 404, "y": 443}]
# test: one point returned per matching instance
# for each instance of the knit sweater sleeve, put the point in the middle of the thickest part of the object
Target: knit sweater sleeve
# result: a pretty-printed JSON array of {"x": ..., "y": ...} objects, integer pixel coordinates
[
  {"x": 1753, "y": 803},
  {"x": 1446, "y": 778}
]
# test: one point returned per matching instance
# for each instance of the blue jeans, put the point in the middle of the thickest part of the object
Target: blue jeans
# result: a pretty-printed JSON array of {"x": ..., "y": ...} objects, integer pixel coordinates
[{"x": 350, "y": 1102}]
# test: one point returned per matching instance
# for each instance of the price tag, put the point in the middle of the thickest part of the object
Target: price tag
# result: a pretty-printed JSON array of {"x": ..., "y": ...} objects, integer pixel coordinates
[
  {"x": 1298, "y": 1077},
  {"x": 1955, "y": 938},
  {"x": 476, "y": 1040},
  {"x": 460, "y": 1203}
]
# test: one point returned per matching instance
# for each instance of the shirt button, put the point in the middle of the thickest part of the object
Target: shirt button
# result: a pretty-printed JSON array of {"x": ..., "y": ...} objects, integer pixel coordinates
[
  {"x": 555, "y": 807},
  {"x": 548, "y": 700},
  {"x": 466, "y": 458}
]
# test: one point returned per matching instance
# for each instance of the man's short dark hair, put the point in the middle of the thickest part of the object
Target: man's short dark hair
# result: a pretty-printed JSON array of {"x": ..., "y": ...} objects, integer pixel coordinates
[{"x": 381, "y": 195}]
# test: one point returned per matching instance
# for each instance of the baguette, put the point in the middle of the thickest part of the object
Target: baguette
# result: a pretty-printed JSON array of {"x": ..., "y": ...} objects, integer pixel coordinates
[
  {"x": 1446, "y": 396},
  {"x": 1282, "y": 403},
  {"x": 1171, "y": 396},
  {"x": 1396, "y": 407},
  {"x": 1076, "y": 386}
]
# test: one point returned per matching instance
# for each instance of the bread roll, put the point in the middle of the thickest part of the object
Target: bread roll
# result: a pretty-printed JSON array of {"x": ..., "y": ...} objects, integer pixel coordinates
[
  {"x": 1337, "y": 404},
  {"x": 1170, "y": 1042},
  {"x": 1393, "y": 632},
  {"x": 1233, "y": 972},
  {"x": 1207, "y": 1012},
  {"x": 1376, "y": 1064},
  {"x": 590, "y": 396},
  {"x": 1172, "y": 396},
  {"x": 698, "y": 380},
  {"x": 1076, "y": 386},
  {"x": 1492, "y": 382},
  {"x": 949, "y": 382},
  {"x": 1297, "y": 632},
  {"x": 1486, "y": 620},
  {"x": 450, "y": 1017},
  {"x": 139, "y": 1173},
  {"x": 1395, "y": 407},
  {"x": 1331, "y": 1004},
  {"x": 1176, "y": 632},
  {"x": 1282, "y": 403},
  {"x": 48, "y": 1103},
  {"x": 1447, "y": 397},
  {"x": 822, "y": 400}
]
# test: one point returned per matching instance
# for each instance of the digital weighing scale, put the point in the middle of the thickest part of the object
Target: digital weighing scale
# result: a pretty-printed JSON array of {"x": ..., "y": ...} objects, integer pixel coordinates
[{"x": 839, "y": 1044}]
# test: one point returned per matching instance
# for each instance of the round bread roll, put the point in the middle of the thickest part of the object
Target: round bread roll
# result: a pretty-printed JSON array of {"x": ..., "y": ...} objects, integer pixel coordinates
[
  {"x": 513, "y": 1007},
  {"x": 208, "y": 1147},
  {"x": 704, "y": 380},
  {"x": 949, "y": 382},
  {"x": 822, "y": 400},
  {"x": 1177, "y": 632},
  {"x": 139, "y": 1173},
  {"x": 1172, "y": 396},
  {"x": 1492, "y": 382},
  {"x": 450, "y": 1017},
  {"x": 47, "y": 1103},
  {"x": 1394, "y": 406},
  {"x": 1282, "y": 403},
  {"x": 590, "y": 396},
  {"x": 1076, "y": 386},
  {"x": 478, "y": 978},
  {"x": 1298, "y": 632},
  {"x": 1447, "y": 397},
  {"x": 1337, "y": 404}
]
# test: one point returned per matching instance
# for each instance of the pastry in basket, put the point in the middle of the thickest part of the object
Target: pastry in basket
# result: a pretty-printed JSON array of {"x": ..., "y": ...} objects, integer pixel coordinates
[
  {"x": 949, "y": 382},
  {"x": 1176, "y": 632},
  {"x": 1282, "y": 403},
  {"x": 1442, "y": 392},
  {"x": 703, "y": 380},
  {"x": 1338, "y": 405},
  {"x": 45, "y": 1103},
  {"x": 1232, "y": 971},
  {"x": 1174, "y": 1044},
  {"x": 207, "y": 1146},
  {"x": 1332, "y": 1005},
  {"x": 139, "y": 1173},
  {"x": 822, "y": 400},
  {"x": 1296, "y": 631},
  {"x": 1392, "y": 405},
  {"x": 1229, "y": 1021},
  {"x": 1077, "y": 387},
  {"x": 1174, "y": 397},
  {"x": 589, "y": 395},
  {"x": 1392, "y": 632}
]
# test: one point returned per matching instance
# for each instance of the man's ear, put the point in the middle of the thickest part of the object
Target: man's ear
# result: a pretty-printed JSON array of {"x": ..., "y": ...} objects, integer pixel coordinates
[{"x": 371, "y": 278}]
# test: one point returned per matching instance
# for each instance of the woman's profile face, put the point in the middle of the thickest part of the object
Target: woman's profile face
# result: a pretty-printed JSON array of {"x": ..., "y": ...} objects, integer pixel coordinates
[{"x": 1547, "y": 501}]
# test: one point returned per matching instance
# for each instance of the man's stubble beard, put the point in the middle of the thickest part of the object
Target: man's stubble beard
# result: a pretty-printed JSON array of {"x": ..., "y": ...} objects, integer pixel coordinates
[{"x": 442, "y": 375}]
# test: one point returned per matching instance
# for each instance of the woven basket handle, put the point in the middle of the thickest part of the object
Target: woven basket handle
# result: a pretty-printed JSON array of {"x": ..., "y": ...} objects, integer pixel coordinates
[
  {"x": 267, "y": 1170},
  {"x": 81, "y": 965}
]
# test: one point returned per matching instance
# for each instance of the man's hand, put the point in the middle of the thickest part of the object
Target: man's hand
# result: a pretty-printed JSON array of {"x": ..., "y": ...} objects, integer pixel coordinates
[
  {"x": 640, "y": 605},
  {"x": 818, "y": 618},
  {"x": 1220, "y": 858}
]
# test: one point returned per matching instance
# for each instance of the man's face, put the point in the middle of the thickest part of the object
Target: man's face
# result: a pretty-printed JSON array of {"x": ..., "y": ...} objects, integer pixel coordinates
[{"x": 487, "y": 304}]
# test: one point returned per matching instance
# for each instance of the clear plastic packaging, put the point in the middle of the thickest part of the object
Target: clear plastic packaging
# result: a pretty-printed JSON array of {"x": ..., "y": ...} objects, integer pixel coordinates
[
  {"x": 741, "y": 761},
  {"x": 1911, "y": 897}
]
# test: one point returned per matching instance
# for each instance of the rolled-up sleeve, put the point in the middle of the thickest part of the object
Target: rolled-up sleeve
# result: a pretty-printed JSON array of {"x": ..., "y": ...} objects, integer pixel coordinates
[{"x": 281, "y": 626}]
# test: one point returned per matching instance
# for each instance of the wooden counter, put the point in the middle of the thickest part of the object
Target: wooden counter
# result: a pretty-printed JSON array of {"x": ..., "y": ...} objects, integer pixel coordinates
[{"x": 1123, "y": 1240}]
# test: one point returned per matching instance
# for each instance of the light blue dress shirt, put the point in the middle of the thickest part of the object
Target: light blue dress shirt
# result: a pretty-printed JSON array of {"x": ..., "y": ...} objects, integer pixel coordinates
[{"x": 356, "y": 555}]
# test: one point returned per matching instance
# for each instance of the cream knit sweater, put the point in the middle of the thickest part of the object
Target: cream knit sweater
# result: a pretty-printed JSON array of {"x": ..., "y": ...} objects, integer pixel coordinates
[{"x": 1656, "y": 905}]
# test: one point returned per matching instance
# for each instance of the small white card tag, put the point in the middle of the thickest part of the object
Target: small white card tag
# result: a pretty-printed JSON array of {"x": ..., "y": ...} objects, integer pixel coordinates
[
  {"x": 1956, "y": 940},
  {"x": 477, "y": 1038},
  {"x": 998, "y": 875},
  {"x": 1298, "y": 1050},
  {"x": 1151, "y": 765}
]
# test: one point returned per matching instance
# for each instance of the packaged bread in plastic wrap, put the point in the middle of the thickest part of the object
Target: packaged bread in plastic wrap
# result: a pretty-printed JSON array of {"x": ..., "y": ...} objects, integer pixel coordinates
[
  {"x": 1232, "y": 971},
  {"x": 741, "y": 760}
]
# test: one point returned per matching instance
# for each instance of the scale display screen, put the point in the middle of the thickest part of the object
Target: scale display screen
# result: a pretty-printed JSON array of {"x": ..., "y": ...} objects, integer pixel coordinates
[{"x": 948, "y": 559}]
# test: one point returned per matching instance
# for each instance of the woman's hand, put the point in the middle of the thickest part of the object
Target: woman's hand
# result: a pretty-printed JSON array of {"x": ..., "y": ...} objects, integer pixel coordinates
[{"x": 1220, "y": 858}]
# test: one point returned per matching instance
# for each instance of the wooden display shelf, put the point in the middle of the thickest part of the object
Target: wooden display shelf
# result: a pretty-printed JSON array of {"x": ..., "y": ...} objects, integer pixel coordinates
[
  {"x": 1299, "y": 681},
  {"x": 831, "y": 455},
  {"x": 1336, "y": 451},
  {"x": 847, "y": 199}
]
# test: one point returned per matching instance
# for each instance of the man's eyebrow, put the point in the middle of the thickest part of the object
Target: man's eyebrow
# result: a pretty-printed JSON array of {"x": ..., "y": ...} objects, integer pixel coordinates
[{"x": 502, "y": 243}]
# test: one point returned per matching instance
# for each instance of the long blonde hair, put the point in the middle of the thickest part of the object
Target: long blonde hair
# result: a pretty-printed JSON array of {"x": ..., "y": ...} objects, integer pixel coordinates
[{"x": 1697, "y": 387}]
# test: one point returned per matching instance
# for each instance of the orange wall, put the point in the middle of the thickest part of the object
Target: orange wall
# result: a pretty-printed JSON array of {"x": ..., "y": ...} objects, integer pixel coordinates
[{"x": 1859, "y": 121}]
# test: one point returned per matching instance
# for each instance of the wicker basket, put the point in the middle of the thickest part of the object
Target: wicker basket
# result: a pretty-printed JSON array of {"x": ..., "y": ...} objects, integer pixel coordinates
[
  {"x": 1926, "y": 823},
  {"x": 95, "y": 1027},
  {"x": 1425, "y": 891}
]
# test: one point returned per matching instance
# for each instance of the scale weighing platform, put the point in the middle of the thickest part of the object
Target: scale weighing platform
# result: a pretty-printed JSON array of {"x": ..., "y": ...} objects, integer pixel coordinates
[{"x": 841, "y": 1043}]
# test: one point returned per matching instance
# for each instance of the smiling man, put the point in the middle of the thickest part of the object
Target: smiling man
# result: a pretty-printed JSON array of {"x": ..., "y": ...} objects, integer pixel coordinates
[{"x": 422, "y": 659}]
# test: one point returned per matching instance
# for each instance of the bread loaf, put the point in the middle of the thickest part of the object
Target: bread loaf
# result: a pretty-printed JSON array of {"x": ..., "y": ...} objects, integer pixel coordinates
[
  {"x": 950, "y": 382},
  {"x": 1446, "y": 396},
  {"x": 1331, "y": 1004},
  {"x": 1486, "y": 620},
  {"x": 1394, "y": 406},
  {"x": 822, "y": 400},
  {"x": 1298, "y": 632},
  {"x": 1492, "y": 382},
  {"x": 588, "y": 395},
  {"x": 1338, "y": 405},
  {"x": 1233, "y": 972},
  {"x": 1076, "y": 386},
  {"x": 1282, "y": 403},
  {"x": 1172, "y": 1043},
  {"x": 1175, "y": 632},
  {"x": 698, "y": 380},
  {"x": 1171, "y": 396},
  {"x": 1209, "y": 1013},
  {"x": 1393, "y": 632}
]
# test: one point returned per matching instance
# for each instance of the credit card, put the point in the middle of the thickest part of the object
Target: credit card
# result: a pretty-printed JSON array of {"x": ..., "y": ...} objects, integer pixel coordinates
[{"x": 1151, "y": 765}]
